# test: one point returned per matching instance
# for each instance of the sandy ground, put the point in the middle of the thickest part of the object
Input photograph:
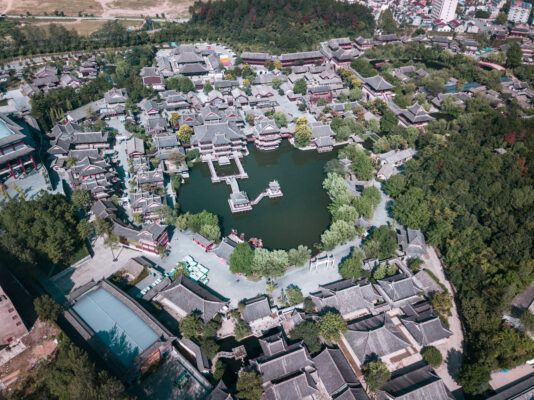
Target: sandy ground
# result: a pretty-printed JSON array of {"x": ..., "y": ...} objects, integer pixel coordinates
[{"x": 100, "y": 8}]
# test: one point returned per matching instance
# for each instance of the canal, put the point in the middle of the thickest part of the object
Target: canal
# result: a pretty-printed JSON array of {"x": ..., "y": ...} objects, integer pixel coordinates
[{"x": 299, "y": 217}]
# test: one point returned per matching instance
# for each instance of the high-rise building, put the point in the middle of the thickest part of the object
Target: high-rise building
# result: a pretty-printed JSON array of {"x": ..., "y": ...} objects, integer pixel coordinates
[
  {"x": 444, "y": 9},
  {"x": 11, "y": 326},
  {"x": 519, "y": 11}
]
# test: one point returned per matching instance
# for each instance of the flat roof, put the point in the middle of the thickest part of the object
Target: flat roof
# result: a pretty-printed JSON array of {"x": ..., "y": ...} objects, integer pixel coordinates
[{"x": 115, "y": 324}]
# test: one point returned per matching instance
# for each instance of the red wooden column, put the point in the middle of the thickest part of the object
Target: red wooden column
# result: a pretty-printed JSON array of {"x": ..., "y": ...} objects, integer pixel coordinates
[
  {"x": 33, "y": 162},
  {"x": 22, "y": 165},
  {"x": 10, "y": 169}
]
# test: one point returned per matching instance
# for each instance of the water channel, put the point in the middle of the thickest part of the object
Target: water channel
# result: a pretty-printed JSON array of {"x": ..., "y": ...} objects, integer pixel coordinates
[{"x": 299, "y": 217}]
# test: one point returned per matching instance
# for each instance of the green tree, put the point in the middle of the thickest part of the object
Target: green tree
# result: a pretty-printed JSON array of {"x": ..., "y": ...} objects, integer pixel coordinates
[
  {"x": 81, "y": 199},
  {"x": 241, "y": 329},
  {"x": 249, "y": 385},
  {"x": 474, "y": 377},
  {"x": 432, "y": 356},
  {"x": 69, "y": 374},
  {"x": 43, "y": 229},
  {"x": 332, "y": 326},
  {"x": 191, "y": 326},
  {"x": 299, "y": 256},
  {"x": 395, "y": 185},
  {"x": 241, "y": 259},
  {"x": 411, "y": 210},
  {"x": 442, "y": 304},
  {"x": 180, "y": 83},
  {"x": 184, "y": 133},
  {"x": 387, "y": 22},
  {"x": 380, "y": 272},
  {"x": 376, "y": 374},
  {"x": 280, "y": 119},
  {"x": 219, "y": 370},
  {"x": 338, "y": 233},
  {"x": 300, "y": 87},
  {"x": 352, "y": 267},
  {"x": 276, "y": 83},
  {"x": 211, "y": 232},
  {"x": 46, "y": 308},
  {"x": 362, "y": 166},
  {"x": 308, "y": 332},
  {"x": 388, "y": 122},
  {"x": 303, "y": 135},
  {"x": 207, "y": 88},
  {"x": 514, "y": 55},
  {"x": 294, "y": 295},
  {"x": 381, "y": 243}
]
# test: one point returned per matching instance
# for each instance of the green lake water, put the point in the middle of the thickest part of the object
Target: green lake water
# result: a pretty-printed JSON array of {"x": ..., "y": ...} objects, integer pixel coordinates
[{"x": 299, "y": 217}]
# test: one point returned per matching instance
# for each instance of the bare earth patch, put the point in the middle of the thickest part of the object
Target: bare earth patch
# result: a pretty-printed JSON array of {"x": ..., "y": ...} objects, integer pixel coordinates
[
  {"x": 99, "y": 8},
  {"x": 40, "y": 344}
]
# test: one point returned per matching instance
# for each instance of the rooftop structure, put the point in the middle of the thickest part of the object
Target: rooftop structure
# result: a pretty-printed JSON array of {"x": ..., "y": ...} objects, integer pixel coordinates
[
  {"x": 184, "y": 296},
  {"x": 121, "y": 331},
  {"x": 375, "y": 336},
  {"x": 351, "y": 299},
  {"x": 444, "y": 10},
  {"x": 519, "y": 11},
  {"x": 420, "y": 383}
]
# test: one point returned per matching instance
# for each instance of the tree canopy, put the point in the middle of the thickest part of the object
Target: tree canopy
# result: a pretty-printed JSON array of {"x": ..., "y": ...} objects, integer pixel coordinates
[
  {"x": 40, "y": 230},
  {"x": 478, "y": 210}
]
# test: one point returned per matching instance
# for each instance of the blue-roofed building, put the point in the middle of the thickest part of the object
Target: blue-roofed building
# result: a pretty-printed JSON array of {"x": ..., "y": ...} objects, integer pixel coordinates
[{"x": 127, "y": 337}]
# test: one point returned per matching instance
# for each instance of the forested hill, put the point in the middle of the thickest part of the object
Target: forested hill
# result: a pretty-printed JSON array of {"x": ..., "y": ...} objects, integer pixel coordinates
[
  {"x": 476, "y": 205},
  {"x": 283, "y": 25}
]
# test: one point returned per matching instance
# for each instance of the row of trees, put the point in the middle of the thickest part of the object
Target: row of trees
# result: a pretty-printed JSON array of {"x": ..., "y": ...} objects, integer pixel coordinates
[
  {"x": 345, "y": 209},
  {"x": 263, "y": 262},
  {"x": 204, "y": 222}
]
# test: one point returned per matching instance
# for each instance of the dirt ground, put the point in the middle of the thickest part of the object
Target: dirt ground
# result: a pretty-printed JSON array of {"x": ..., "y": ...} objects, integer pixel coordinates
[
  {"x": 40, "y": 344},
  {"x": 100, "y": 8}
]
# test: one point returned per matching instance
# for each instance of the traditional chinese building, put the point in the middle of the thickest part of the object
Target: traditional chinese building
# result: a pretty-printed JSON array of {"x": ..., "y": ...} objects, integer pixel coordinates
[{"x": 16, "y": 157}]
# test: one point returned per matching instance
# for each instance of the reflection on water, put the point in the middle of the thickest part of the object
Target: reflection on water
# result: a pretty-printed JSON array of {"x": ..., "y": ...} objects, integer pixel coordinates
[{"x": 299, "y": 217}]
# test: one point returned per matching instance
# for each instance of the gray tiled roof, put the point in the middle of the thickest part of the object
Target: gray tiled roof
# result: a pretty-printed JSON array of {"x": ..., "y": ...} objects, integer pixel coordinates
[
  {"x": 90, "y": 137},
  {"x": 190, "y": 296},
  {"x": 375, "y": 336},
  {"x": 352, "y": 393},
  {"x": 427, "y": 331},
  {"x": 212, "y": 133},
  {"x": 419, "y": 384},
  {"x": 295, "y": 358},
  {"x": 399, "y": 287},
  {"x": 377, "y": 83},
  {"x": 334, "y": 370},
  {"x": 297, "y": 387},
  {"x": 346, "y": 296},
  {"x": 256, "y": 308},
  {"x": 273, "y": 344}
]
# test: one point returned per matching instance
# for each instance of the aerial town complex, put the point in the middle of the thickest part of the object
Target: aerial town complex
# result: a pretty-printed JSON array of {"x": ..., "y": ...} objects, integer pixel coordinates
[{"x": 186, "y": 214}]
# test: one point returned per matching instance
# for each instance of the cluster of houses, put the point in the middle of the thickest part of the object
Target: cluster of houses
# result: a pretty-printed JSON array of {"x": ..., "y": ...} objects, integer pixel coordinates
[
  {"x": 73, "y": 74},
  {"x": 390, "y": 319}
]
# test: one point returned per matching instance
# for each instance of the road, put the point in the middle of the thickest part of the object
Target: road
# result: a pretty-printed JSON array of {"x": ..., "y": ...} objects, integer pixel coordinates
[
  {"x": 95, "y": 18},
  {"x": 451, "y": 350}
]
